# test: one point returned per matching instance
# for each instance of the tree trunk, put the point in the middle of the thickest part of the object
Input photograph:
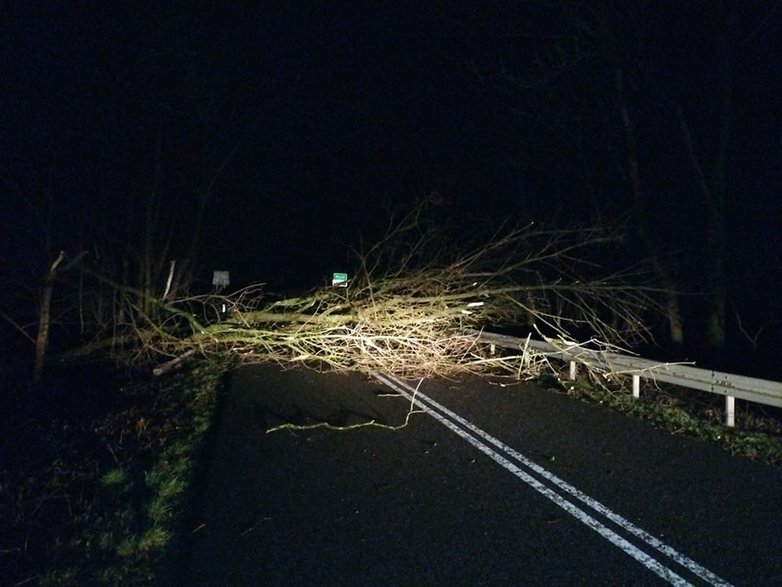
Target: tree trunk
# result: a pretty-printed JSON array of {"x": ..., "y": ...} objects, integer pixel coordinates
[
  {"x": 673, "y": 311},
  {"x": 44, "y": 319},
  {"x": 714, "y": 207},
  {"x": 713, "y": 186}
]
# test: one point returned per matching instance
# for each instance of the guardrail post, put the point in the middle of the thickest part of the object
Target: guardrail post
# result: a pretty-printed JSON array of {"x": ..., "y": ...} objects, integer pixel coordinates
[
  {"x": 730, "y": 411},
  {"x": 636, "y": 386},
  {"x": 573, "y": 370}
]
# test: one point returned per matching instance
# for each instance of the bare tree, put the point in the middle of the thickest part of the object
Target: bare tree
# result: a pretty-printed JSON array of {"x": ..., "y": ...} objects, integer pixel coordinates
[
  {"x": 411, "y": 302},
  {"x": 643, "y": 112},
  {"x": 45, "y": 314}
]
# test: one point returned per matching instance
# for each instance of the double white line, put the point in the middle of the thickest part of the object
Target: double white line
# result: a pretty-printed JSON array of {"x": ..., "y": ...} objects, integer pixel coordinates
[{"x": 565, "y": 496}]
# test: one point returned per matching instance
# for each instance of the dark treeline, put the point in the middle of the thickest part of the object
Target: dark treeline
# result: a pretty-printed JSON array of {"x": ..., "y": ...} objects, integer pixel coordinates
[{"x": 267, "y": 140}]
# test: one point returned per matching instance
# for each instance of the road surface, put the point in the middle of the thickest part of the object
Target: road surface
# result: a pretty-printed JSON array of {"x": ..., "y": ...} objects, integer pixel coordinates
[{"x": 485, "y": 485}]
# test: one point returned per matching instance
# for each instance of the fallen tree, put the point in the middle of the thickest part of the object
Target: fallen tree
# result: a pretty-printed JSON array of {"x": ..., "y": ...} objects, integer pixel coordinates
[{"x": 408, "y": 306}]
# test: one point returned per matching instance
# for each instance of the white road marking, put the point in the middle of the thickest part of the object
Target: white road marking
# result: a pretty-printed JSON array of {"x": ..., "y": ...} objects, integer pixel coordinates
[{"x": 482, "y": 441}]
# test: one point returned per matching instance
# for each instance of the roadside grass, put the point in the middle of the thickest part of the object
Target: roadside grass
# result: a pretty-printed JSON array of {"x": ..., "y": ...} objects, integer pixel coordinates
[
  {"x": 94, "y": 493},
  {"x": 756, "y": 435}
]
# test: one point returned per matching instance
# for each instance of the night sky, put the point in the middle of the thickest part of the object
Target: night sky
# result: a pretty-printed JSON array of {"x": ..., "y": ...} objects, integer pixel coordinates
[{"x": 293, "y": 125}]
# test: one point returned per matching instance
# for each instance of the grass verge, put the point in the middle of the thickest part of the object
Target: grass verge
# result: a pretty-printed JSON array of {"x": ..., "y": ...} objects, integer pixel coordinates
[{"x": 101, "y": 468}]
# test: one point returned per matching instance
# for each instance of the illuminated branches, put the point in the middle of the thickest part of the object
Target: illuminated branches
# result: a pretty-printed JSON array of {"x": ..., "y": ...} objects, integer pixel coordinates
[{"x": 414, "y": 297}]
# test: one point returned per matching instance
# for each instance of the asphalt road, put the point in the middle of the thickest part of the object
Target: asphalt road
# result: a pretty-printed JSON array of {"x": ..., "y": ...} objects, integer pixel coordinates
[{"x": 529, "y": 487}]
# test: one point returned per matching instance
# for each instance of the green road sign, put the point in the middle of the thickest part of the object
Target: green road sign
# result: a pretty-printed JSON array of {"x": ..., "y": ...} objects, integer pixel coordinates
[{"x": 340, "y": 279}]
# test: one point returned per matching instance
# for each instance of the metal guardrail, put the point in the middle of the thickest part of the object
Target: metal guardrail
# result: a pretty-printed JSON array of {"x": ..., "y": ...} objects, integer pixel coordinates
[{"x": 729, "y": 385}]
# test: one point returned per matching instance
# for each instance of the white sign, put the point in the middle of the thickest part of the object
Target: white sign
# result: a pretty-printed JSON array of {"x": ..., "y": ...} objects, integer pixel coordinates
[{"x": 221, "y": 279}]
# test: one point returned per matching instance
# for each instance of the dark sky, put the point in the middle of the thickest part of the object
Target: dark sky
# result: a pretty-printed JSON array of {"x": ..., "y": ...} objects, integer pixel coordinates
[{"x": 295, "y": 123}]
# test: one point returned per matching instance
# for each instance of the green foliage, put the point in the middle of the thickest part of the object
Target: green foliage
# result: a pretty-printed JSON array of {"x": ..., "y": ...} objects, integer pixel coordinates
[
  {"x": 131, "y": 472},
  {"x": 127, "y": 547},
  {"x": 159, "y": 510},
  {"x": 755, "y": 445},
  {"x": 115, "y": 478},
  {"x": 64, "y": 576},
  {"x": 154, "y": 539},
  {"x": 186, "y": 404}
]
